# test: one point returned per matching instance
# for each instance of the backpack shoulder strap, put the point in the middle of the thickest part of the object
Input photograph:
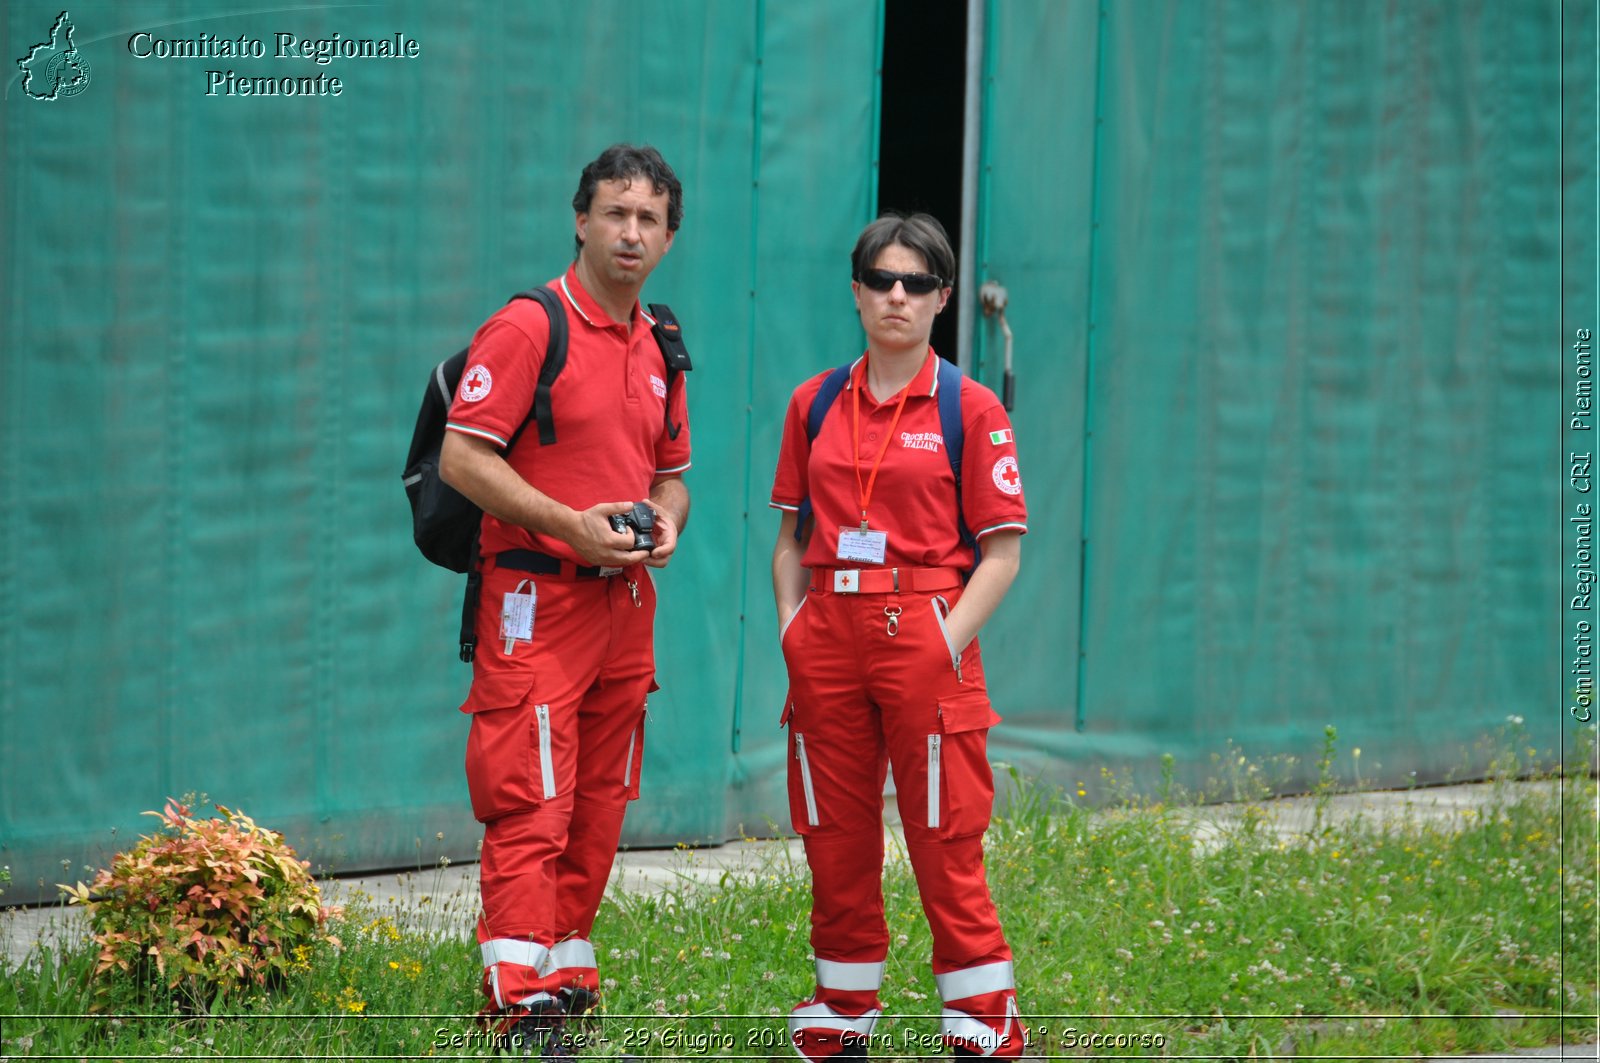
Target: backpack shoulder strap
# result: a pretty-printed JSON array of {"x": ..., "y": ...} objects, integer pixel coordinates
[
  {"x": 555, "y": 360},
  {"x": 954, "y": 433},
  {"x": 950, "y": 416},
  {"x": 821, "y": 403},
  {"x": 669, "y": 338}
]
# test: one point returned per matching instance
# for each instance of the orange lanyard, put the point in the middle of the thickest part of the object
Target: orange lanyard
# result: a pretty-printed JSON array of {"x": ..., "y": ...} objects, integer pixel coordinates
[{"x": 865, "y": 493}]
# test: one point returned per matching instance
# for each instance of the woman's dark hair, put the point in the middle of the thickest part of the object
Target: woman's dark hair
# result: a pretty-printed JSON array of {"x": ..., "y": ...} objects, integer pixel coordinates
[
  {"x": 626, "y": 161},
  {"x": 921, "y": 233}
]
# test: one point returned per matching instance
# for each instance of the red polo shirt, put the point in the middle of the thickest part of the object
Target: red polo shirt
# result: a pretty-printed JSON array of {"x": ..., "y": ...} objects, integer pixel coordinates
[
  {"x": 609, "y": 407},
  {"x": 913, "y": 499}
]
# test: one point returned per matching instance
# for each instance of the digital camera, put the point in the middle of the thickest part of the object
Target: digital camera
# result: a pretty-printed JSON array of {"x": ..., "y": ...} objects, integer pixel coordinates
[{"x": 643, "y": 522}]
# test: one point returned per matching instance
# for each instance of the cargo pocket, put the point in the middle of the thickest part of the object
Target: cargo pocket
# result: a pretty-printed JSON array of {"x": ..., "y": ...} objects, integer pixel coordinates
[
  {"x": 505, "y": 772},
  {"x": 500, "y": 689},
  {"x": 960, "y": 784}
]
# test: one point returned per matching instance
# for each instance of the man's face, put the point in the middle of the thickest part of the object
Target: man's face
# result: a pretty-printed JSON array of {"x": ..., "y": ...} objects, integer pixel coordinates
[{"x": 624, "y": 232}]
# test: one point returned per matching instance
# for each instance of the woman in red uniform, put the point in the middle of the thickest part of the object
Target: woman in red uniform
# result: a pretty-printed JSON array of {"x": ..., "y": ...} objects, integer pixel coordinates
[{"x": 879, "y": 607}]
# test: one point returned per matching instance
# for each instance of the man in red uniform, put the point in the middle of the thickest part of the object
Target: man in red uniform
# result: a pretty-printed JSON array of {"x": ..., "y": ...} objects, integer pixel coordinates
[
  {"x": 565, "y": 620},
  {"x": 879, "y": 634}
]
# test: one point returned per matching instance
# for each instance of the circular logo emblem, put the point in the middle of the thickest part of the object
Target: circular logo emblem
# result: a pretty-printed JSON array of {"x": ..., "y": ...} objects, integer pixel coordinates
[
  {"x": 1006, "y": 476},
  {"x": 68, "y": 73},
  {"x": 475, "y": 384}
]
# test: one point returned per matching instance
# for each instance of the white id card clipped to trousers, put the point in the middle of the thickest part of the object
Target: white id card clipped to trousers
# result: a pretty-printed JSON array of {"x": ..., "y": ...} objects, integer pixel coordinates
[{"x": 516, "y": 615}]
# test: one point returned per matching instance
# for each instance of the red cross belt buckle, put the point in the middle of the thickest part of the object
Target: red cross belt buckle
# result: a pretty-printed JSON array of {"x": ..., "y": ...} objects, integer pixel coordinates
[{"x": 846, "y": 581}]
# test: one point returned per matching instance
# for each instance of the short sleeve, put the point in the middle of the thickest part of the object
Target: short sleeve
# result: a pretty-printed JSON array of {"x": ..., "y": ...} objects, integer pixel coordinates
[
  {"x": 496, "y": 390},
  {"x": 991, "y": 479},
  {"x": 672, "y": 451},
  {"x": 790, "y": 482}
]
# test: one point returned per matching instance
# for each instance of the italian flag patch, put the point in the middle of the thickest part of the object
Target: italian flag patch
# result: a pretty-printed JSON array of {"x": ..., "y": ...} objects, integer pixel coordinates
[{"x": 1002, "y": 436}]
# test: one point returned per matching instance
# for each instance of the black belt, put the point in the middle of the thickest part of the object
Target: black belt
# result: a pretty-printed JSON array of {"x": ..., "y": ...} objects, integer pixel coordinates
[{"x": 545, "y": 565}]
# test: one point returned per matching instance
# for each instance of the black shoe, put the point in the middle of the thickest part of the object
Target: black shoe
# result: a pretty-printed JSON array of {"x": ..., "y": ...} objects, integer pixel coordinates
[
  {"x": 1026, "y": 1057},
  {"x": 579, "y": 1001},
  {"x": 540, "y": 1033},
  {"x": 580, "y": 1027}
]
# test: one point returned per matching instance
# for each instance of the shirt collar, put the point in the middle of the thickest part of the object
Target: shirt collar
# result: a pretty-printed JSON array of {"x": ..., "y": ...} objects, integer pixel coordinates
[
  {"x": 926, "y": 382},
  {"x": 581, "y": 301}
]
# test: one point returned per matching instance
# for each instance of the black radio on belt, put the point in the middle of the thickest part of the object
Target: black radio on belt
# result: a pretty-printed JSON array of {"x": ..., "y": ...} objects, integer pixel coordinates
[{"x": 643, "y": 522}]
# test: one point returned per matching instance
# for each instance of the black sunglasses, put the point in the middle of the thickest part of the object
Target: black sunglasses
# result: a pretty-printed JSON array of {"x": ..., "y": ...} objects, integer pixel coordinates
[{"x": 882, "y": 280}]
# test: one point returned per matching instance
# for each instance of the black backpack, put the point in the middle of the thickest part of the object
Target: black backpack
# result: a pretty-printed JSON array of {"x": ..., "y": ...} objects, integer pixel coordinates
[{"x": 444, "y": 523}]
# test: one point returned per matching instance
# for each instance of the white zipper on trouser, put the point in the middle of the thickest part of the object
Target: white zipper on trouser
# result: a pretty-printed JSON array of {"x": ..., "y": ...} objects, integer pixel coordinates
[
  {"x": 805, "y": 779},
  {"x": 933, "y": 782},
  {"x": 546, "y": 769},
  {"x": 627, "y": 767}
]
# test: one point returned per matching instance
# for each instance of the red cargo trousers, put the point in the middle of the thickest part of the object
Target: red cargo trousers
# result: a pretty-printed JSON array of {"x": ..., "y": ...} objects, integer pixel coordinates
[
  {"x": 553, "y": 758},
  {"x": 874, "y": 682}
]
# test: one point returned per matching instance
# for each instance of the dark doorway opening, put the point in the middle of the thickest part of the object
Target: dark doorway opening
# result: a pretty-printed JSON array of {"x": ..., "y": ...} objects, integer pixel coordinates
[{"x": 921, "y": 125}]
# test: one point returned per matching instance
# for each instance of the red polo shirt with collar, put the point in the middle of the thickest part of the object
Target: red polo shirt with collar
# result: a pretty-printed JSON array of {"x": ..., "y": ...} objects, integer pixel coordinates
[
  {"x": 913, "y": 499},
  {"x": 609, "y": 405}
]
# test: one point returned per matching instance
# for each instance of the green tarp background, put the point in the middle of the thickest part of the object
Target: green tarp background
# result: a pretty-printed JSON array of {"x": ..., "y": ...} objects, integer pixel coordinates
[
  {"x": 220, "y": 317},
  {"x": 1286, "y": 284}
]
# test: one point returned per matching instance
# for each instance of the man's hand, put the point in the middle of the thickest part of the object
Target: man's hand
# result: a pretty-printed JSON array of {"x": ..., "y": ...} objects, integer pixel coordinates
[
  {"x": 666, "y": 536},
  {"x": 669, "y": 497},
  {"x": 594, "y": 540}
]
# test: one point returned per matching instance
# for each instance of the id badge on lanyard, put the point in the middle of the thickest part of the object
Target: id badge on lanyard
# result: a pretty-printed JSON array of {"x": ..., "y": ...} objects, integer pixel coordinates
[{"x": 862, "y": 545}]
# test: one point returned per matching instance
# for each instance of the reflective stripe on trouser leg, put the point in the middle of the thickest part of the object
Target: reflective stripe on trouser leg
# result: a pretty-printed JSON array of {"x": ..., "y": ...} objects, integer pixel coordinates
[
  {"x": 572, "y": 953},
  {"x": 987, "y": 990},
  {"x": 573, "y": 967},
  {"x": 985, "y": 978},
  {"x": 515, "y": 950},
  {"x": 824, "y": 1019},
  {"x": 818, "y": 1027},
  {"x": 853, "y": 977},
  {"x": 532, "y": 957},
  {"x": 959, "y": 1026},
  {"x": 522, "y": 973}
]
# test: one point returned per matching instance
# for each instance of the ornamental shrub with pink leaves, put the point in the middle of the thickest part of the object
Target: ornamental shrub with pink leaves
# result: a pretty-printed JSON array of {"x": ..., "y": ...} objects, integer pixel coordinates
[{"x": 204, "y": 907}]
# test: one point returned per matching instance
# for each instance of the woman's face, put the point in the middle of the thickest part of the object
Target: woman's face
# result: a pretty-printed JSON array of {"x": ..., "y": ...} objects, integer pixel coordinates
[{"x": 896, "y": 320}]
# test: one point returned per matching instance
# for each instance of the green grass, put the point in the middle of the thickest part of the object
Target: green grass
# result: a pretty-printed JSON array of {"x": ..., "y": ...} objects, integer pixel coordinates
[{"x": 1352, "y": 937}]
